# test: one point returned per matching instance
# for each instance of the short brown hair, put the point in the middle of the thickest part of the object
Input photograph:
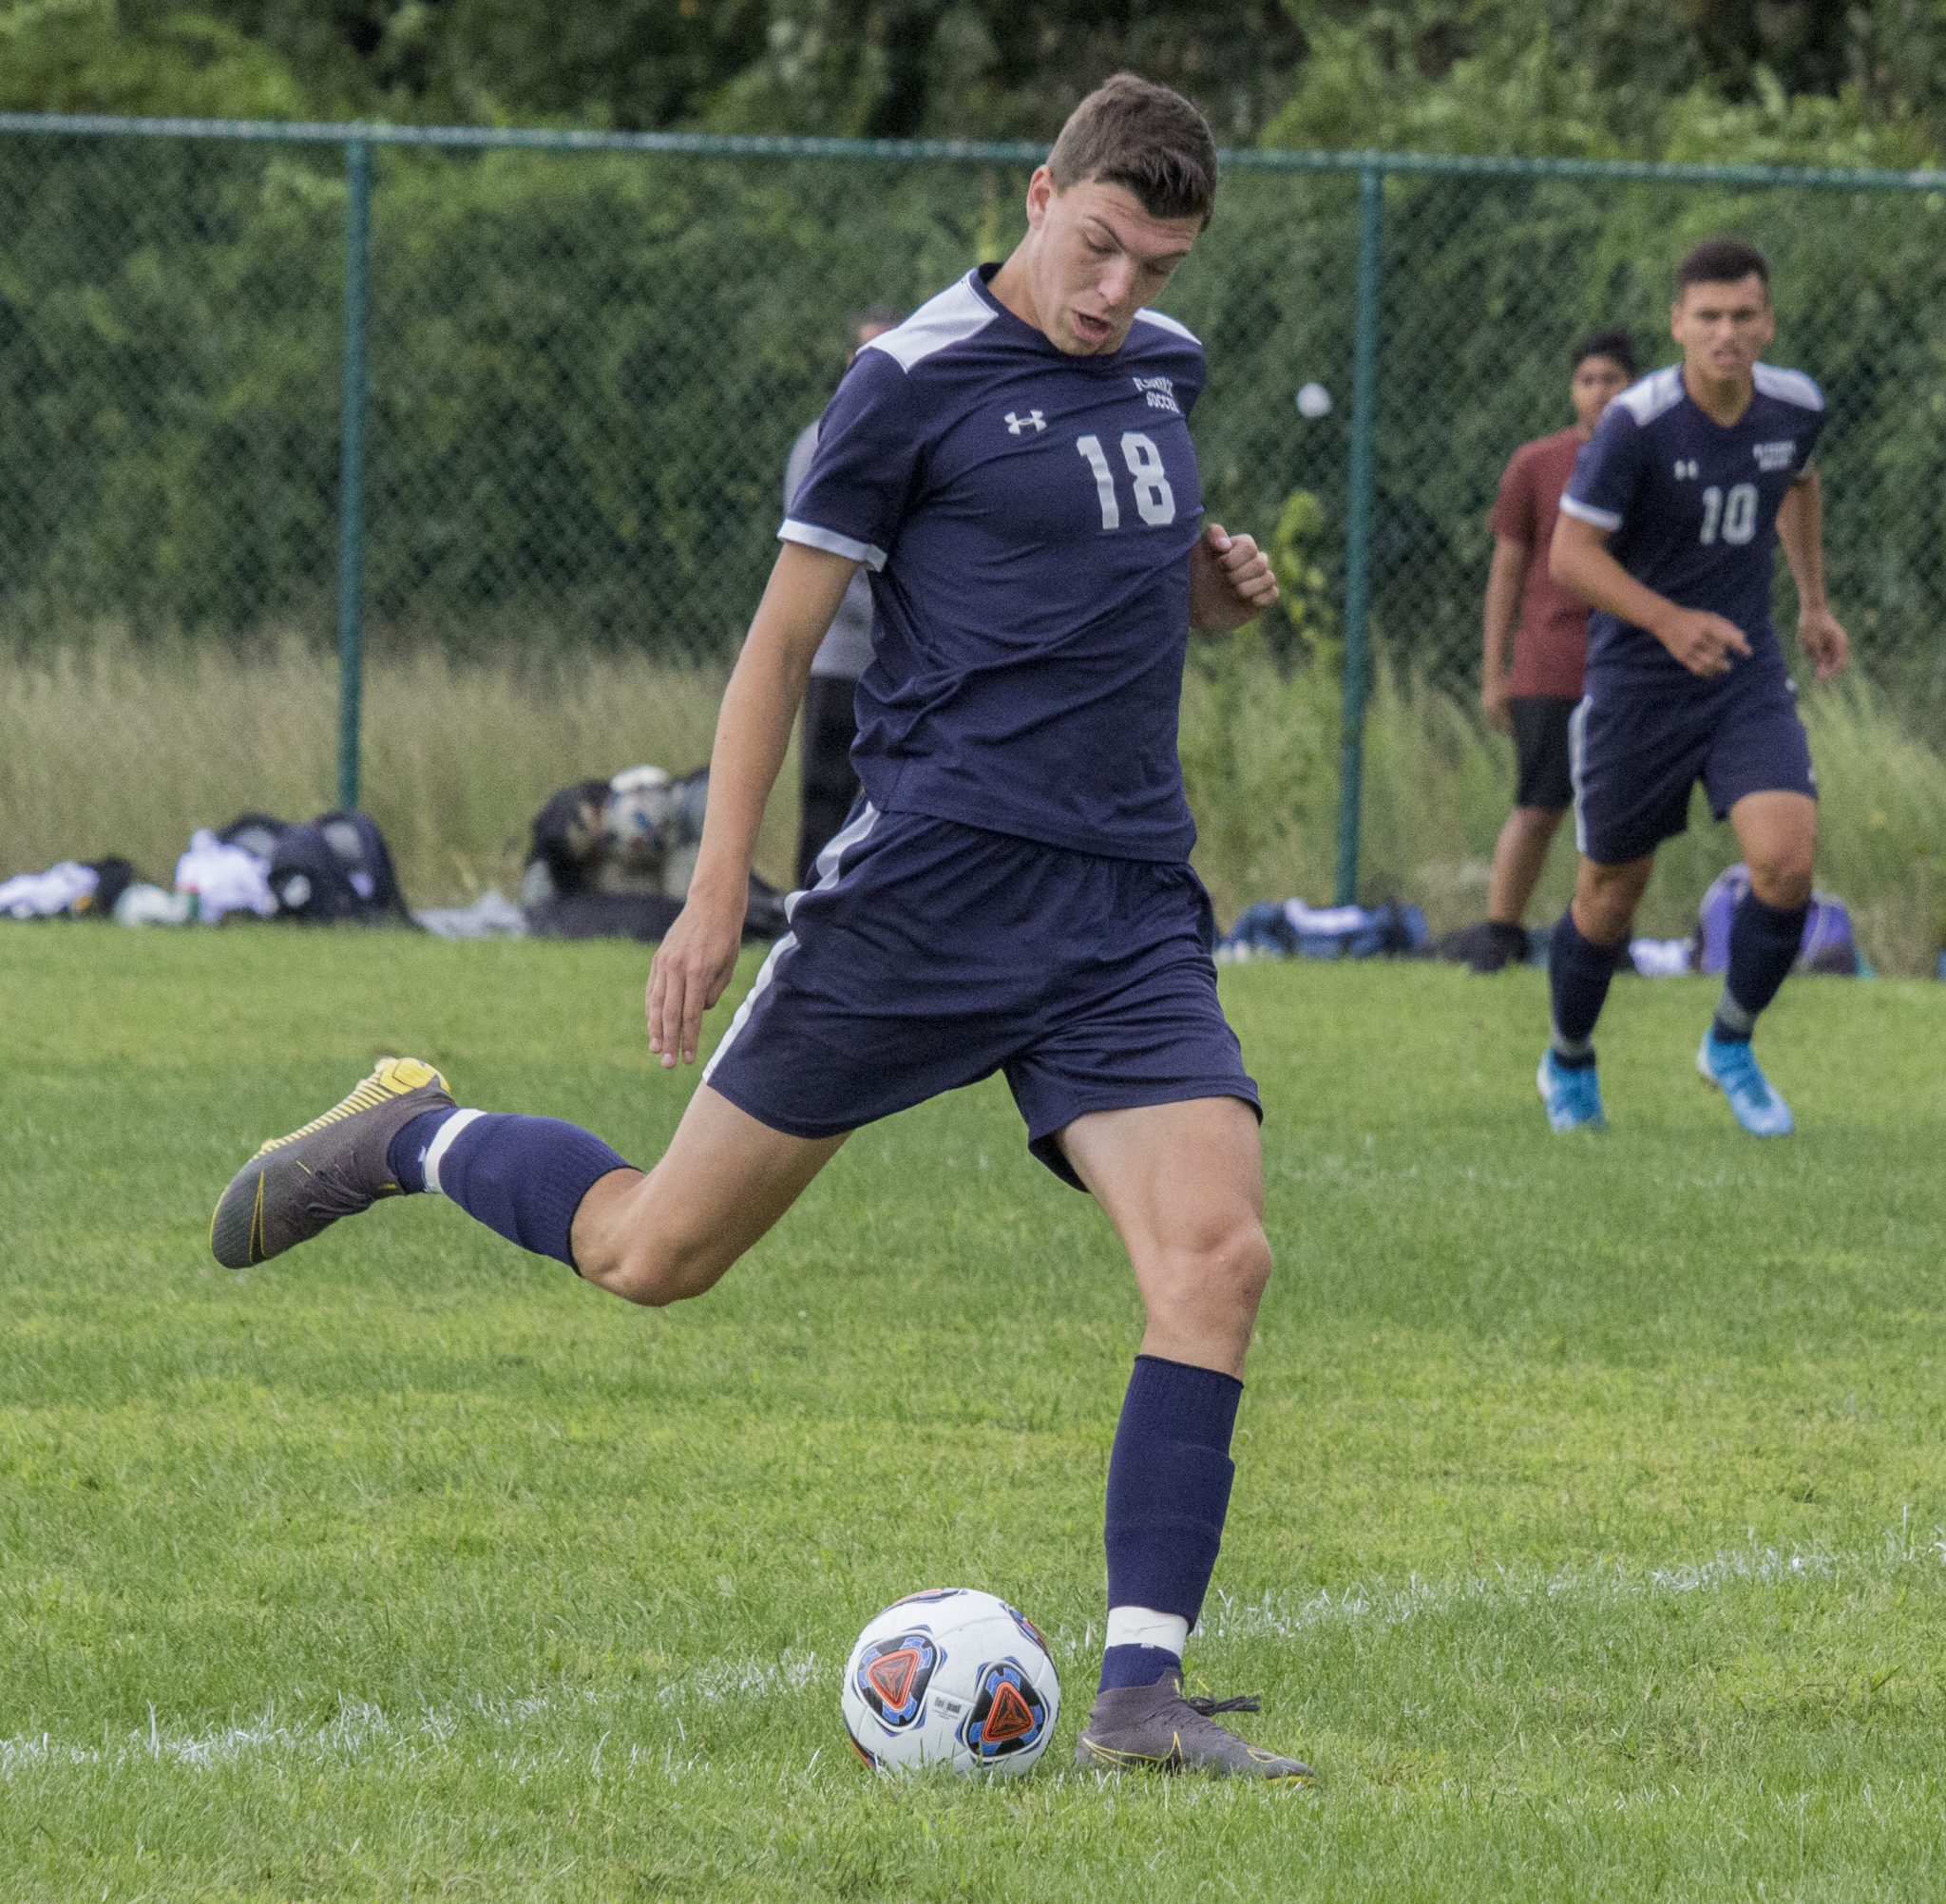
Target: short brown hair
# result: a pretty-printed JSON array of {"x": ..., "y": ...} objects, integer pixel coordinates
[
  {"x": 1146, "y": 138},
  {"x": 1722, "y": 260}
]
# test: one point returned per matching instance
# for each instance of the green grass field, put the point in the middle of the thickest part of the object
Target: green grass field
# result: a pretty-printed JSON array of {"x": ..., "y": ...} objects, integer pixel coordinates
[{"x": 1590, "y": 1531}]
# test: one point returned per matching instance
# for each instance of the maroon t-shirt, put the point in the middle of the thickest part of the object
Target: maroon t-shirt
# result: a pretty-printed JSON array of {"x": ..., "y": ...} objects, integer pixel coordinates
[{"x": 1551, "y": 644}]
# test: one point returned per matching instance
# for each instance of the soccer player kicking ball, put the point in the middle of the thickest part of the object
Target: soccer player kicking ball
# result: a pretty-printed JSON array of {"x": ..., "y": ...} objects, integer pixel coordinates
[
  {"x": 1011, "y": 893},
  {"x": 1667, "y": 527}
]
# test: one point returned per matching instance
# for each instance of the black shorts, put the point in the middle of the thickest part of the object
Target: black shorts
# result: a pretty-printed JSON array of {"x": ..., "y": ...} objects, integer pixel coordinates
[{"x": 1540, "y": 751}]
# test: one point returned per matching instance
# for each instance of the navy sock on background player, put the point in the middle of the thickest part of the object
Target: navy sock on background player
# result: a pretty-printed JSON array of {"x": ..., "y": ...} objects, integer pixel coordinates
[
  {"x": 1578, "y": 972},
  {"x": 1764, "y": 942},
  {"x": 524, "y": 1177},
  {"x": 1168, "y": 1491}
]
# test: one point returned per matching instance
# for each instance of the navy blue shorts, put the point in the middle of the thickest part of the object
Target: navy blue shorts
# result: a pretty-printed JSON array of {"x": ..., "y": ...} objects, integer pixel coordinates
[
  {"x": 1635, "y": 757},
  {"x": 930, "y": 955}
]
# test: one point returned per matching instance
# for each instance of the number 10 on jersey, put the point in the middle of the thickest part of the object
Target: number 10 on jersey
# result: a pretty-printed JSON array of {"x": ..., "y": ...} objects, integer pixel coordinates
[
  {"x": 1154, "y": 498},
  {"x": 1737, "y": 517}
]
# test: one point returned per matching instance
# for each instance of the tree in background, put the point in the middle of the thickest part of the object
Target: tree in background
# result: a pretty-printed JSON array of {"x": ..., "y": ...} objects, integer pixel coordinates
[{"x": 1624, "y": 76}]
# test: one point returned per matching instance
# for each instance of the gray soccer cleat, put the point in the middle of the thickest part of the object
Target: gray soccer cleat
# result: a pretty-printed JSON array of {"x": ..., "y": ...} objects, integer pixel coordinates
[
  {"x": 1155, "y": 1728},
  {"x": 335, "y": 1165}
]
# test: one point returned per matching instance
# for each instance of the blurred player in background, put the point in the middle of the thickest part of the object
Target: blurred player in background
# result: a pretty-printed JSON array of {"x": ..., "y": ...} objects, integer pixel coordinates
[
  {"x": 1534, "y": 698},
  {"x": 1670, "y": 527},
  {"x": 827, "y": 785},
  {"x": 1013, "y": 892}
]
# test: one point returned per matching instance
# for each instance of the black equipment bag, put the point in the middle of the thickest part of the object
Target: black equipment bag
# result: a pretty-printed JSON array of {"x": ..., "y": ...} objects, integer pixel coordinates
[{"x": 336, "y": 869}]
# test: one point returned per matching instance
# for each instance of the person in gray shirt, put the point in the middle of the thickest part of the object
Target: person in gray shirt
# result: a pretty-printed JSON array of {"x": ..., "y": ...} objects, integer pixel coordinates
[{"x": 828, "y": 783}]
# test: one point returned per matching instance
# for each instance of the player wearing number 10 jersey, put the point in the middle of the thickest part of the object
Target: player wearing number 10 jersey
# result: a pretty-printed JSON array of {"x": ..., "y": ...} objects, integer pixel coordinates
[
  {"x": 1011, "y": 894},
  {"x": 1669, "y": 527}
]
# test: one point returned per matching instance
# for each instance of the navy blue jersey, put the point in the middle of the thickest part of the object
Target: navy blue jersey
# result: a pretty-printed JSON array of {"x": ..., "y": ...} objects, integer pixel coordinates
[
  {"x": 1027, "y": 517},
  {"x": 1692, "y": 507}
]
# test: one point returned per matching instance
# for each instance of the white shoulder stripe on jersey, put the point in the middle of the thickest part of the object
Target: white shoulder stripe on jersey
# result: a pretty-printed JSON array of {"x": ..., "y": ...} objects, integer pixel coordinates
[
  {"x": 1586, "y": 512},
  {"x": 1788, "y": 387},
  {"x": 1169, "y": 324},
  {"x": 830, "y": 864},
  {"x": 1658, "y": 392},
  {"x": 814, "y": 538},
  {"x": 950, "y": 318}
]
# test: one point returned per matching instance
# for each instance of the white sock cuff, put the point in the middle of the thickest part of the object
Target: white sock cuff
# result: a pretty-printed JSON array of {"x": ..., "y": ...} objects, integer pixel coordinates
[
  {"x": 1733, "y": 1015},
  {"x": 442, "y": 1143},
  {"x": 1145, "y": 1627}
]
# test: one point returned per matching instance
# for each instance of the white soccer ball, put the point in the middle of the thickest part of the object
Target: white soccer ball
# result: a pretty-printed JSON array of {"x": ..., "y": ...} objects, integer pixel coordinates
[
  {"x": 950, "y": 1677},
  {"x": 1314, "y": 400}
]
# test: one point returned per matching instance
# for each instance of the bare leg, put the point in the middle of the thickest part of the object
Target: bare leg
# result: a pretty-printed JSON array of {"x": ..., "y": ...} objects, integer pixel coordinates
[
  {"x": 1778, "y": 833},
  {"x": 656, "y": 1236},
  {"x": 1606, "y": 898},
  {"x": 1518, "y": 857},
  {"x": 1183, "y": 1185}
]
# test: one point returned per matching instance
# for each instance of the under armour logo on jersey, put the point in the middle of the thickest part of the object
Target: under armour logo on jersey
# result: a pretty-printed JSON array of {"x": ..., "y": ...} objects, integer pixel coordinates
[
  {"x": 1686, "y": 469},
  {"x": 1033, "y": 421}
]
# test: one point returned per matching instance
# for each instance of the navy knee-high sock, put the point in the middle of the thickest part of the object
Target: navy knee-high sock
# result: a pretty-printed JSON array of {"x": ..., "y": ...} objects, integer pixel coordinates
[
  {"x": 522, "y": 1176},
  {"x": 1764, "y": 942},
  {"x": 1578, "y": 972},
  {"x": 1168, "y": 1491}
]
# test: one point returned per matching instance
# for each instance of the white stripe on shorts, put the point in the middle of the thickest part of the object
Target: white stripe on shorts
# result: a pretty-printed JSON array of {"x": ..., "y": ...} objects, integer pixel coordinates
[
  {"x": 1577, "y": 740},
  {"x": 829, "y": 866}
]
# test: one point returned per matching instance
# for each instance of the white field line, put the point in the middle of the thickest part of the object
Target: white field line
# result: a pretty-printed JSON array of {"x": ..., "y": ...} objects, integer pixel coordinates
[
  {"x": 362, "y": 1730},
  {"x": 1385, "y": 1604}
]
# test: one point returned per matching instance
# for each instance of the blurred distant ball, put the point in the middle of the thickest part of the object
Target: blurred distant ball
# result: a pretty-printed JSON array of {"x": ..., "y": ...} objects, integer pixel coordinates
[
  {"x": 1314, "y": 400},
  {"x": 638, "y": 820},
  {"x": 953, "y": 1678}
]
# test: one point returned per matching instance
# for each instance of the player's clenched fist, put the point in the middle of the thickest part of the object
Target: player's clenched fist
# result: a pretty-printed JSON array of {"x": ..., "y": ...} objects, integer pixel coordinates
[
  {"x": 1229, "y": 581},
  {"x": 1703, "y": 643},
  {"x": 688, "y": 974}
]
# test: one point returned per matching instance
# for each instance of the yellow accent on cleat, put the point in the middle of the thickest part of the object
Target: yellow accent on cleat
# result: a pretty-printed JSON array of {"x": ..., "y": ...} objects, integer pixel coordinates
[{"x": 395, "y": 1078}]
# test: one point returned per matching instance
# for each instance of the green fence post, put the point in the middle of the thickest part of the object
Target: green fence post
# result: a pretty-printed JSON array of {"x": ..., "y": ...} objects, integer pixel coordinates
[
  {"x": 1358, "y": 526},
  {"x": 352, "y": 468}
]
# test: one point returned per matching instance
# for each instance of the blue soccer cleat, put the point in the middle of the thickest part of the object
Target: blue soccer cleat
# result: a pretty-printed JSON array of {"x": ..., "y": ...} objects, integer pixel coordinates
[
  {"x": 1573, "y": 1096},
  {"x": 1732, "y": 1068}
]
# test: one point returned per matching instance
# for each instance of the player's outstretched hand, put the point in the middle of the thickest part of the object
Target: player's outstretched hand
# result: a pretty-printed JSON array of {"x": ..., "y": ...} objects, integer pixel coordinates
[
  {"x": 1703, "y": 643},
  {"x": 1229, "y": 581},
  {"x": 689, "y": 971},
  {"x": 1826, "y": 646}
]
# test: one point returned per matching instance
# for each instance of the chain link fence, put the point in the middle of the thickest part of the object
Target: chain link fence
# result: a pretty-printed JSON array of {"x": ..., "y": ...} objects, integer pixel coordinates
[{"x": 565, "y": 370}]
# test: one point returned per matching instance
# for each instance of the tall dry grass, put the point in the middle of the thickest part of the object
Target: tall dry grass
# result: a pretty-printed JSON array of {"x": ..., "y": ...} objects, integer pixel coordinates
[
  {"x": 114, "y": 747},
  {"x": 1260, "y": 748},
  {"x": 107, "y": 747}
]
